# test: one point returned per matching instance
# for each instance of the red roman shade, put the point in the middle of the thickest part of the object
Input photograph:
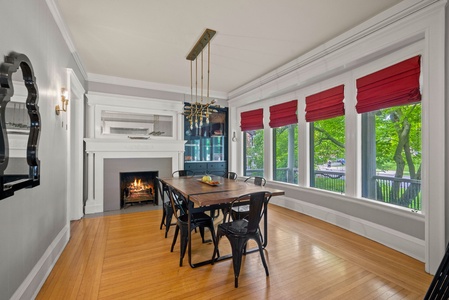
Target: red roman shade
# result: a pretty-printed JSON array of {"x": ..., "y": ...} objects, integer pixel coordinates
[
  {"x": 284, "y": 114},
  {"x": 392, "y": 86},
  {"x": 251, "y": 120},
  {"x": 326, "y": 104}
]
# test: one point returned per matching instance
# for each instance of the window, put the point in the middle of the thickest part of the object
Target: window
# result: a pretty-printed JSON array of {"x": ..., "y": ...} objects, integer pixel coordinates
[
  {"x": 325, "y": 112},
  {"x": 391, "y": 155},
  {"x": 328, "y": 154},
  {"x": 389, "y": 101},
  {"x": 251, "y": 123},
  {"x": 253, "y": 153},
  {"x": 284, "y": 121},
  {"x": 285, "y": 151}
]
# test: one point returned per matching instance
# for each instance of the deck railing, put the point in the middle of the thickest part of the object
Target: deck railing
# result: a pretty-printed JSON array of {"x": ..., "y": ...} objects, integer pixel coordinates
[{"x": 398, "y": 191}]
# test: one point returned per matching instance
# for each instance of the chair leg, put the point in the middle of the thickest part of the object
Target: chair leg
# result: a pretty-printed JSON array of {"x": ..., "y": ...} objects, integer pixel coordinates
[
  {"x": 184, "y": 242},
  {"x": 262, "y": 256},
  {"x": 168, "y": 219},
  {"x": 163, "y": 217},
  {"x": 237, "y": 253},
  {"x": 174, "y": 238},
  {"x": 202, "y": 233},
  {"x": 214, "y": 240}
]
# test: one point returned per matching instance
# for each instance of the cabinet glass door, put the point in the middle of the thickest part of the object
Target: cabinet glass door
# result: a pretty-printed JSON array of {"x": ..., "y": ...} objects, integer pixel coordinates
[
  {"x": 218, "y": 148},
  {"x": 192, "y": 150},
  {"x": 206, "y": 149}
]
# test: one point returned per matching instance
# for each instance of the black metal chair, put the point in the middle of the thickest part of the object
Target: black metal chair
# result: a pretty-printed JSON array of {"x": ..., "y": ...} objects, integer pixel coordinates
[
  {"x": 183, "y": 173},
  {"x": 240, "y": 231},
  {"x": 231, "y": 175},
  {"x": 167, "y": 211},
  {"x": 439, "y": 287},
  {"x": 198, "y": 220}
]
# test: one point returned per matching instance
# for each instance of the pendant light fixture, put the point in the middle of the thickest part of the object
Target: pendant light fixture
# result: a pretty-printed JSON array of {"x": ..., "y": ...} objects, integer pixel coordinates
[{"x": 198, "y": 110}]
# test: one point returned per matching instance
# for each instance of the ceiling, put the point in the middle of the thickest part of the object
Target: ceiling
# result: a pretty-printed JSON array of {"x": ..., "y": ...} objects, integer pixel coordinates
[{"x": 148, "y": 40}]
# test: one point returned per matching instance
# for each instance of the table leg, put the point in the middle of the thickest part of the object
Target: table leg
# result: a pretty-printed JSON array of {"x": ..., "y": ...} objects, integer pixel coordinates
[{"x": 189, "y": 243}]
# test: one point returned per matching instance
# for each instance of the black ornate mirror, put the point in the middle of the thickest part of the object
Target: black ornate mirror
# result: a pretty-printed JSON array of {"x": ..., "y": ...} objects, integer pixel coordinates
[{"x": 19, "y": 121}]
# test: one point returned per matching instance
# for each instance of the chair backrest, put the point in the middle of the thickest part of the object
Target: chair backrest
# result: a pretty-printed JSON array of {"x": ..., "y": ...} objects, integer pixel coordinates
[
  {"x": 177, "y": 202},
  {"x": 256, "y": 202},
  {"x": 161, "y": 187},
  {"x": 183, "y": 173},
  {"x": 260, "y": 181},
  {"x": 231, "y": 175}
]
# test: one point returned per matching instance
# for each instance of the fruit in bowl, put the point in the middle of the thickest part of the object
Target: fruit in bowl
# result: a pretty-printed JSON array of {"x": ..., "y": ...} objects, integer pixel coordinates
[{"x": 206, "y": 178}]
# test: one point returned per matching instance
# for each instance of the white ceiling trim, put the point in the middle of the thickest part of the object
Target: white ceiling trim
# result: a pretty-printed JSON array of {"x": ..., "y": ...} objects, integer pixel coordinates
[
  {"x": 397, "y": 12},
  {"x": 148, "y": 85},
  {"x": 66, "y": 35}
]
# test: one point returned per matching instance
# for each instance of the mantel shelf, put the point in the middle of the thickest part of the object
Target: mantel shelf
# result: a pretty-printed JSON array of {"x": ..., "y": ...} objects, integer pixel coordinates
[{"x": 130, "y": 145}]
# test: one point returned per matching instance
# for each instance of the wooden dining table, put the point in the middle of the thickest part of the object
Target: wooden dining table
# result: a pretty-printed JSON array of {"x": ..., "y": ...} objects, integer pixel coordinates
[{"x": 213, "y": 197}]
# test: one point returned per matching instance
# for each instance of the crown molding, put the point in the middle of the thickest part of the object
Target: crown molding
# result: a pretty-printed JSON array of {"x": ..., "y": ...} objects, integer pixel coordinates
[
  {"x": 378, "y": 22},
  {"x": 92, "y": 77},
  {"x": 66, "y": 35}
]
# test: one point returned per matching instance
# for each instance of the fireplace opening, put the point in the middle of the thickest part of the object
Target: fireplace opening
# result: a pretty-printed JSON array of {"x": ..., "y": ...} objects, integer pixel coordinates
[{"x": 138, "y": 188}]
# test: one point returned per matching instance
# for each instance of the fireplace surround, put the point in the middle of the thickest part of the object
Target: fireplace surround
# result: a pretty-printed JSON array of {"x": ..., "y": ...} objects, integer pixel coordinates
[{"x": 101, "y": 148}]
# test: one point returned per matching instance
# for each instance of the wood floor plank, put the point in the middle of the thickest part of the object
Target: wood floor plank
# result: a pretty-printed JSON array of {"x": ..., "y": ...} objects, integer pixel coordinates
[{"x": 127, "y": 257}]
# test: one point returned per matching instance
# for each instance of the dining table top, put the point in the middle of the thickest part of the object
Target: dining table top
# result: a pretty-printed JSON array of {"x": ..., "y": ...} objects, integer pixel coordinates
[{"x": 225, "y": 190}]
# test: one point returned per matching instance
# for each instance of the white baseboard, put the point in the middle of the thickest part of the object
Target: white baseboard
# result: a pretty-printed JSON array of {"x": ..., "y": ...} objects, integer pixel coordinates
[
  {"x": 92, "y": 208},
  {"x": 399, "y": 241},
  {"x": 32, "y": 284}
]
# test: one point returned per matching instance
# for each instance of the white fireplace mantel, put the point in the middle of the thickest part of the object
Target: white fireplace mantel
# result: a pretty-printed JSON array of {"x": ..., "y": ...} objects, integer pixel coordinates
[
  {"x": 100, "y": 146},
  {"x": 100, "y": 149}
]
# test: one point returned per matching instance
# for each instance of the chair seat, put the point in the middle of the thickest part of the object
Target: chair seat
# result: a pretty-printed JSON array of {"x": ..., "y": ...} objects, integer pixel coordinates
[
  {"x": 196, "y": 218},
  {"x": 238, "y": 227}
]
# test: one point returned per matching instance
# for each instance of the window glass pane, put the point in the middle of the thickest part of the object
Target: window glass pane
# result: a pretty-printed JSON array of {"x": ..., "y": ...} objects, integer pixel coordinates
[
  {"x": 286, "y": 153},
  {"x": 391, "y": 155},
  {"x": 253, "y": 155},
  {"x": 328, "y": 154}
]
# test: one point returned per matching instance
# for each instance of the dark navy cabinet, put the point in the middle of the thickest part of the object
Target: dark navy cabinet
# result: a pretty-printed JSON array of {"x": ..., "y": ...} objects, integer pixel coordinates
[{"x": 206, "y": 147}]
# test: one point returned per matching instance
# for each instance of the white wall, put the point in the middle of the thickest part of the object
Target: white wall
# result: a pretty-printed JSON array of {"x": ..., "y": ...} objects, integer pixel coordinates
[{"x": 33, "y": 223}]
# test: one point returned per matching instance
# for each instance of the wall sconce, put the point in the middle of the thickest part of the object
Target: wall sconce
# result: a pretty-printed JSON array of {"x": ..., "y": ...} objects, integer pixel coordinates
[
  {"x": 64, "y": 100},
  {"x": 234, "y": 138}
]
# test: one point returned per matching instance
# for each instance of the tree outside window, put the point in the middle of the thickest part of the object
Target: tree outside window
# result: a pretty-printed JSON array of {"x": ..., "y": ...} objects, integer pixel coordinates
[
  {"x": 253, "y": 152},
  {"x": 391, "y": 155},
  {"x": 328, "y": 154},
  {"x": 285, "y": 149}
]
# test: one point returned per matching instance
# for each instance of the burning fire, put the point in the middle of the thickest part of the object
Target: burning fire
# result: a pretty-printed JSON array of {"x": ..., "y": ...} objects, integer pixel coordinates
[{"x": 137, "y": 185}]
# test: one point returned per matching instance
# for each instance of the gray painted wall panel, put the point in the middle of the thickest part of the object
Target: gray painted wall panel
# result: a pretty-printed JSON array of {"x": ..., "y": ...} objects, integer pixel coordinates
[
  {"x": 32, "y": 218},
  {"x": 113, "y": 167}
]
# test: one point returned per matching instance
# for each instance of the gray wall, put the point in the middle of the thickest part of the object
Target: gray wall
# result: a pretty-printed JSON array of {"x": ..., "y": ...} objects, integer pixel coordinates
[
  {"x": 113, "y": 167},
  {"x": 32, "y": 218},
  {"x": 447, "y": 124}
]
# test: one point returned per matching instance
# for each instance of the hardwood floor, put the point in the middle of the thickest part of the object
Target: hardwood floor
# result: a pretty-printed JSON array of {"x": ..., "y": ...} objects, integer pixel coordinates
[{"x": 127, "y": 257}]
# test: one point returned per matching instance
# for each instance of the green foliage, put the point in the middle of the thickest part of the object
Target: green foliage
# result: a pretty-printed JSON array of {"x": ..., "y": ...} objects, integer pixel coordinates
[
  {"x": 254, "y": 149},
  {"x": 286, "y": 153},
  {"x": 389, "y": 125},
  {"x": 329, "y": 140},
  {"x": 282, "y": 139}
]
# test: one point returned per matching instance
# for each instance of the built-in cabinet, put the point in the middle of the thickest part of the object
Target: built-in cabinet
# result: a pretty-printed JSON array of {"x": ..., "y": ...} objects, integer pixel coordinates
[{"x": 206, "y": 147}]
